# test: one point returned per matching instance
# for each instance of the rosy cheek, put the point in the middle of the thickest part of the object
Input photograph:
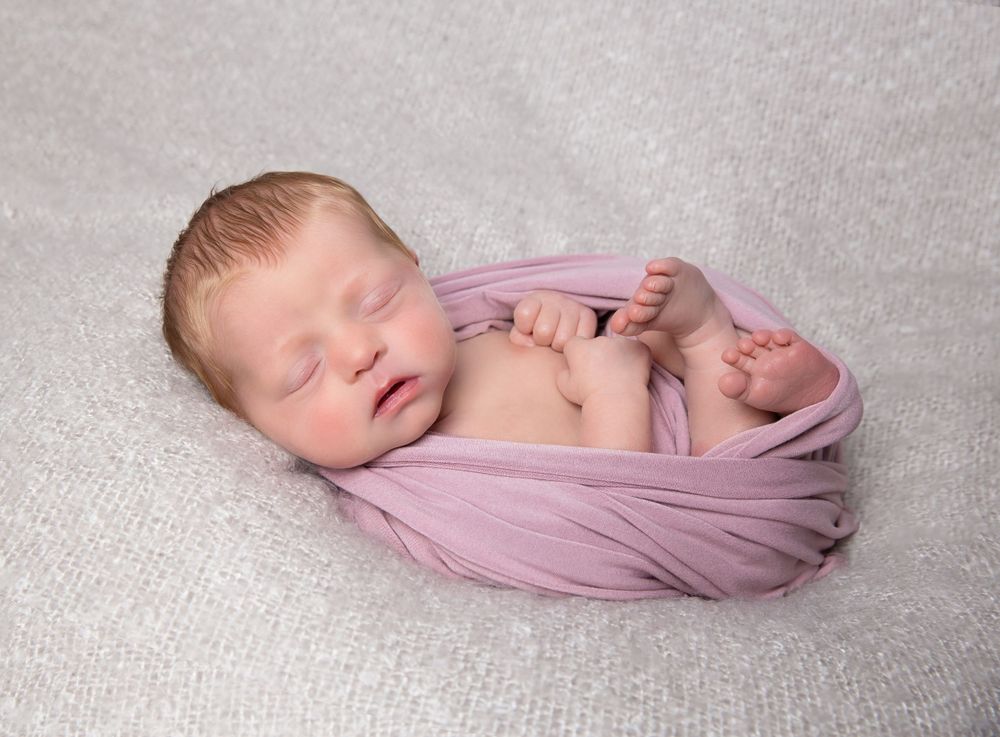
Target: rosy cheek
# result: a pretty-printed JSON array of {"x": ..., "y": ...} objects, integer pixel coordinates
[
  {"x": 421, "y": 334},
  {"x": 427, "y": 329},
  {"x": 331, "y": 436},
  {"x": 333, "y": 422},
  {"x": 325, "y": 421}
]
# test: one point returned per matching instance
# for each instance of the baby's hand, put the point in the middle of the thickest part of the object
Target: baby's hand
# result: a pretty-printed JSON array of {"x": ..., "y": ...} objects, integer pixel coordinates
[
  {"x": 612, "y": 365},
  {"x": 550, "y": 319}
]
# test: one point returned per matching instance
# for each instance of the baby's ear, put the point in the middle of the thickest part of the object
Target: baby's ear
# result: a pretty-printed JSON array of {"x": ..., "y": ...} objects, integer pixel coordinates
[{"x": 413, "y": 255}]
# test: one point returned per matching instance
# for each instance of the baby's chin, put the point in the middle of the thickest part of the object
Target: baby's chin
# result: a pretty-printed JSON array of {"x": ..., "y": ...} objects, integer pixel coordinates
[
  {"x": 338, "y": 462},
  {"x": 353, "y": 460}
]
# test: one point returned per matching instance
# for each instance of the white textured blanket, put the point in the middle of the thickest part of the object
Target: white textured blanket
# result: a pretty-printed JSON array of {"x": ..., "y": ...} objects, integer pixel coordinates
[{"x": 165, "y": 570}]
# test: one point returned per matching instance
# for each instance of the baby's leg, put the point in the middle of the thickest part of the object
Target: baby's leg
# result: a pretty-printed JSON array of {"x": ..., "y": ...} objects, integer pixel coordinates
[
  {"x": 665, "y": 352},
  {"x": 675, "y": 299}
]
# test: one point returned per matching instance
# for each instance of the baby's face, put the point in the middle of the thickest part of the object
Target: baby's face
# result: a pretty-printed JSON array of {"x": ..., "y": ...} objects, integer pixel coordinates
[{"x": 314, "y": 343}]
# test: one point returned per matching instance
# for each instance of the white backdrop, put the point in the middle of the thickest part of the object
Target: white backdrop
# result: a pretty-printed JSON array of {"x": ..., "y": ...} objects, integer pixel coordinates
[{"x": 166, "y": 570}]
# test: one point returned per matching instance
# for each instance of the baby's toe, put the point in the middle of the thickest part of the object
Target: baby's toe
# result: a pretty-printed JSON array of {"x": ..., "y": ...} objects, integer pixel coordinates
[
  {"x": 657, "y": 283},
  {"x": 670, "y": 266},
  {"x": 761, "y": 337},
  {"x": 645, "y": 297},
  {"x": 619, "y": 321},
  {"x": 784, "y": 336},
  {"x": 737, "y": 359},
  {"x": 623, "y": 324},
  {"x": 734, "y": 384},
  {"x": 641, "y": 313},
  {"x": 750, "y": 347},
  {"x": 731, "y": 356}
]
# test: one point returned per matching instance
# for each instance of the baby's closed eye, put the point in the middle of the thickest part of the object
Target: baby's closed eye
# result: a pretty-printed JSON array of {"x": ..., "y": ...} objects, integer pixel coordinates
[
  {"x": 382, "y": 297},
  {"x": 302, "y": 377}
]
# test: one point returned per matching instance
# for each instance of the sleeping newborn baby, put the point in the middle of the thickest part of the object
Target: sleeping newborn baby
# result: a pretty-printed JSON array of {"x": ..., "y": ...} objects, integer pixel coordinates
[{"x": 303, "y": 313}]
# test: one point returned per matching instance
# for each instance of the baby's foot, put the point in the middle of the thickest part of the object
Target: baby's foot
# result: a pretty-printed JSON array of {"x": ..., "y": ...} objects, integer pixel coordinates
[
  {"x": 675, "y": 298},
  {"x": 778, "y": 372}
]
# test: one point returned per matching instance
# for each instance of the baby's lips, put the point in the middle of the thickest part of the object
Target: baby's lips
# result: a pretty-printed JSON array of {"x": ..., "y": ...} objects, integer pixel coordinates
[{"x": 385, "y": 388}]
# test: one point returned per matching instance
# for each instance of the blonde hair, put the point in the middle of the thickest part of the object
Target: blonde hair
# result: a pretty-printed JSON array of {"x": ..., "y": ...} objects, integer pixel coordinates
[{"x": 245, "y": 224}]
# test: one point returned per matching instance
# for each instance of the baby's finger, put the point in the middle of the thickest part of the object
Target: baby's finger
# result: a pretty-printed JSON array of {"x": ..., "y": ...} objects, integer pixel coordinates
[
  {"x": 567, "y": 329},
  {"x": 526, "y": 313},
  {"x": 587, "y": 327},
  {"x": 519, "y": 338},
  {"x": 544, "y": 329}
]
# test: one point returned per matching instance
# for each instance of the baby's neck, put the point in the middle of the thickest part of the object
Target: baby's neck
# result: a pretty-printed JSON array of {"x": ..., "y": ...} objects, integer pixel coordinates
[{"x": 462, "y": 381}]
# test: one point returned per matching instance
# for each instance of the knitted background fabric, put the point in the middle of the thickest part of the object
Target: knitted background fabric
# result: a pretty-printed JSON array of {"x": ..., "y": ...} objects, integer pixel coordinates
[{"x": 166, "y": 570}]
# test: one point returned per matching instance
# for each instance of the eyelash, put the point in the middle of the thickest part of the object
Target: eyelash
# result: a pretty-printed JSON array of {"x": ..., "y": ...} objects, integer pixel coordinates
[
  {"x": 299, "y": 383},
  {"x": 385, "y": 299}
]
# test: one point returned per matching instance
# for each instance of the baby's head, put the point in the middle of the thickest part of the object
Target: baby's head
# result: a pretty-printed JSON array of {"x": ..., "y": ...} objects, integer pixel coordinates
[{"x": 300, "y": 311}]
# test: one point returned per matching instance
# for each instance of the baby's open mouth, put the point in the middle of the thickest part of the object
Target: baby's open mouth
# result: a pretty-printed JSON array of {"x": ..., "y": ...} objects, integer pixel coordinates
[
  {"x": 397, "y": 394},
  {"x": 389, "y": 392}
]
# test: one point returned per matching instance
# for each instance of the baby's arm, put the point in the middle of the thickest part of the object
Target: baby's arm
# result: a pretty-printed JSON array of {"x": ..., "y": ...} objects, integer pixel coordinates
[{"x": 608, "y": 378}]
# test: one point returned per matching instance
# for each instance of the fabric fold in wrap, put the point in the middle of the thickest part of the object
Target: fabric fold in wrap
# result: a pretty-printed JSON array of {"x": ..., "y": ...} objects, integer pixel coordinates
[{"x": 754, "y": 517}]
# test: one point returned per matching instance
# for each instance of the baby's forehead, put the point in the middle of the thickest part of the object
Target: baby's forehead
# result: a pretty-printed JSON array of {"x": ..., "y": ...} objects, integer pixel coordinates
[
  {"x": 298, "y": 268},
  {"x": 327, "y": 233},
  {"x": 323, "y": 236}
]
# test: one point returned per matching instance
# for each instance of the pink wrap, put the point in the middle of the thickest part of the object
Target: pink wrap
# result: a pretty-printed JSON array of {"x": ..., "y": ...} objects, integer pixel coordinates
[{"x": 754, "y": 517}]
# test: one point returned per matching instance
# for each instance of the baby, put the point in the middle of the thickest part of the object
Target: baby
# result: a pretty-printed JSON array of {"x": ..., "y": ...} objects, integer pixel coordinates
[{"x": 304, "y": 314}]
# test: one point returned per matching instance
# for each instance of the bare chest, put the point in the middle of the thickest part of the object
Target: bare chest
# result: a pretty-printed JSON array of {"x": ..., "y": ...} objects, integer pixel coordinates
[{"x": 501, "y": 391}]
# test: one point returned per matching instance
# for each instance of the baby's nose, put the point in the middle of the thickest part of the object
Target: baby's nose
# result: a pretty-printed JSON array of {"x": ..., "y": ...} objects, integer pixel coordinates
[{"x": 359, "y": 350}]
